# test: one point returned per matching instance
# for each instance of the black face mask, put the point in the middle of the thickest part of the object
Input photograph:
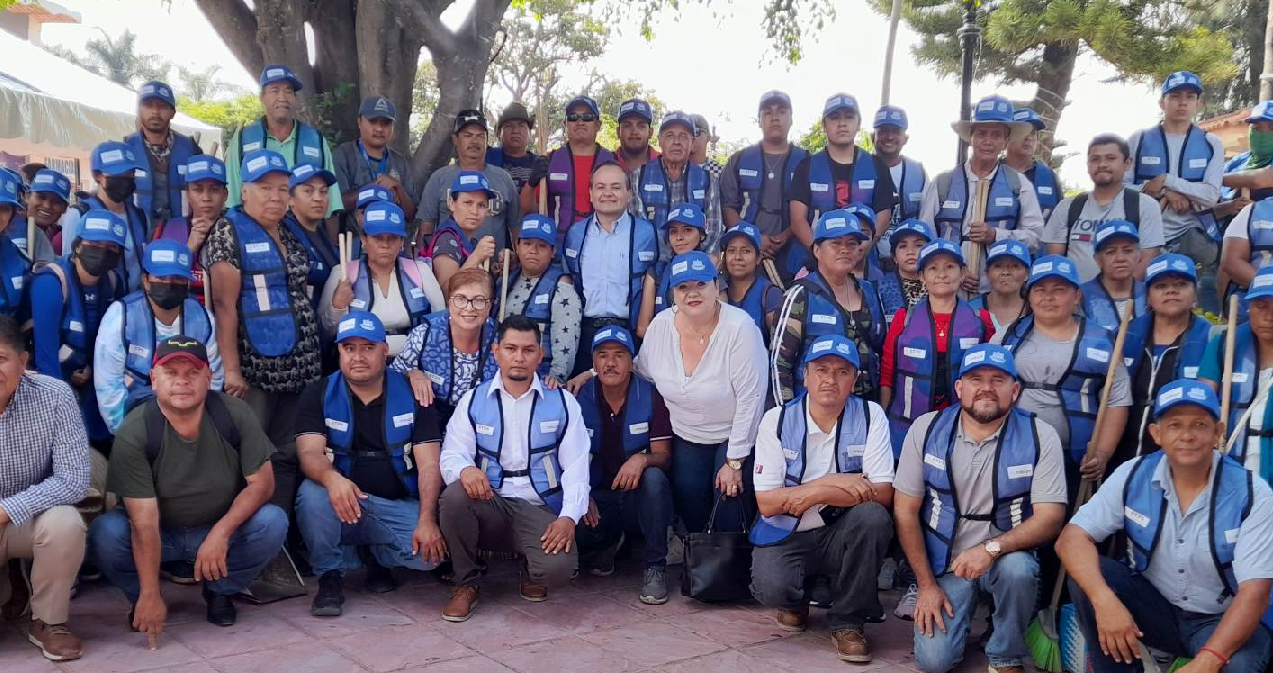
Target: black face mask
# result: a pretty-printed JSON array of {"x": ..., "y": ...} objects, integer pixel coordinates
[
  {"x": 96, "y": 260},
  {"x": 168, "y": 296},
  {"x": 119, "y": 188}
]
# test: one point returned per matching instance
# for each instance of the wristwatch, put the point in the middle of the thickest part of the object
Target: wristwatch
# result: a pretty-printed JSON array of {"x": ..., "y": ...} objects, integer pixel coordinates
[
  {"x": 734, "y": 464},
  {"x": 993, "y": 548}
]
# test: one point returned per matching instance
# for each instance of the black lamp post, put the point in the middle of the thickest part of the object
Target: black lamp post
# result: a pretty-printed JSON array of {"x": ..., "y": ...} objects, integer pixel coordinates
[{"x": 969, "y": 34}]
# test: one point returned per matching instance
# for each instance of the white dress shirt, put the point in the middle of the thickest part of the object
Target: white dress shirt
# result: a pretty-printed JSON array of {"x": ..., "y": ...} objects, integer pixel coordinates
[
  {"x": 459, "y": 448},
  {"x": 722, "y": 400},
  {"x": 387, "y": 304}
]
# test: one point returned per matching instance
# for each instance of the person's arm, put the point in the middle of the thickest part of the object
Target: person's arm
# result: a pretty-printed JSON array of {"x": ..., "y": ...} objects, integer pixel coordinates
[
  {"x": 649, "y": 288},
  {"x": 928, "y": 206},
  {"x": 1029, "y": 218},
  {"x": 787, "y": 344},
  {"x": 1205, "y": 193},
  {"x": 329, "y": 314},
  {"x": 68, "y": 483},
  {"x": 430, "y": 210},
  {"x": 108, "y": 367},
  {"x": 226, "y": 283},
  {"x": 427, "y": 540},
  {"x": 1259, "y": 178},
  {"x": 886, "y": 356},
  {"x": 528, "y": 199},
  {"x": 731, "y": 201},
  {"x": 566, "y": 316},
  {"x": 334, "y": 201},
  {"x": 1055, "y": 229},
  {"x": 210, "y": 562},
  {"x": 1110, "y": 433},
  {"x": 233, "y": 164},
  {"x": 214, "y": 356},
  {"x": 800, "y": 227},
  {"x": 575, "y": 454},
  {"x": 432, "y": 288},
  {"x": 1235, "y": 258},
  {"x": 659, "y": 455},
  {"x": 444, "y": 266},
  {"x": 747, "y": 378},
  {"x": 768, "y": 474},
  {"x": 459, "y": 443},
  {"x": 150, "y": 613},
  {"x": 1209, "y": 370},
  {"x": 46, "y": 293}
]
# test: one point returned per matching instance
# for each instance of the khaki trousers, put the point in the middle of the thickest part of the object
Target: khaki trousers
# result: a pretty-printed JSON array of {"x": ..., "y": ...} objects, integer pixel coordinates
[{"x": 54, "y": 542}]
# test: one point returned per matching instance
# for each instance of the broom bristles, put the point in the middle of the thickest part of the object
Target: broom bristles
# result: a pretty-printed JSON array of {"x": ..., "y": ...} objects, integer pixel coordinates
[{"x": 1043, "y": 639}]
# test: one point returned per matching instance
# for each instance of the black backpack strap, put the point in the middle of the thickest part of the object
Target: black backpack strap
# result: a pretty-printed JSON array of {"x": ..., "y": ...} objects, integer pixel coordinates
[
  {"x": 155, "y": 425},
  {"x": 1131, "y": 206},
  {"x": 215, "y": 407},
  {"x": 1072, "y": 217}
]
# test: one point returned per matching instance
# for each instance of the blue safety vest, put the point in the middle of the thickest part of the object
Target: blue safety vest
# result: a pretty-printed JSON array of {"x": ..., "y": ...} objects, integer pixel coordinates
[
  {"x": 752, "y": 176},
  {"x": 916, "y": 360},
  {"x": 539, "y": 307},
  {"x": 1153, "y": 159},
  {"x": 1016, "y": 455},
  {"x": 323, "y": 257},
  {"x": 76, "y": 334},
  {"x": 308, "y": 149},
  {"x": 137, "y": 333},
  {"x": 1180, "y": 360},
  {"x": 561, "y": 186},
  {"x": 399, "y": 420},
  {"x": 656, "y": 191},
  {"x": 14, "y": 278},
  {"x": 910, "y": 191},
  {"x": 753, "y": 302},
  {"x": 824, "y": 316},
  {"x": 1046, "y": 187},
  {"x": 638, "y": 414},
  {"x": 1100, "y": 308},
  {"x": 138, "y": 227},
  {"x": 410, "y": 286},
  {"x": 265, "y": 307},
  {"x": 1080, "y": 386},
  {"x": 822, "y": 182},
  {"x": 851, "y": 432},
  {"x": 643, "y": 253},
  {"x": 436, "y": 356},
  {"x": 548, "y": 422},
  {"x": 1003, "y": 208},
  {"x": 1246, "y": 381},
  {"x": 466, "y": 247},
  {"x": 181, "y": 149},
  {"x": 1145, "y": 508},
  {"x": 892, "y": 294}
]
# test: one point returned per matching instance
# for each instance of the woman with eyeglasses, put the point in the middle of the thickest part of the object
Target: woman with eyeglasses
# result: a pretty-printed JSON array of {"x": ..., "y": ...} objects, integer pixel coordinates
[{"x": 450, "y": 352}]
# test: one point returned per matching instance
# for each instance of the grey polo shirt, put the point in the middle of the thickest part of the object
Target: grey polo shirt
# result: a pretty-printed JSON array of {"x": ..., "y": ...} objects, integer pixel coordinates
[
  {"x": 504, "y": 214},
  {"x": 354, "y": 172}
]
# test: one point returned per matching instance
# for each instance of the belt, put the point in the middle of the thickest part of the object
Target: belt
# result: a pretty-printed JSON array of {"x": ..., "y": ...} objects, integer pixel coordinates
[
  {"x": 516, "y": 473},
  {"x": 1031, "y": 385},
  {"x": 598, "y": 323}
]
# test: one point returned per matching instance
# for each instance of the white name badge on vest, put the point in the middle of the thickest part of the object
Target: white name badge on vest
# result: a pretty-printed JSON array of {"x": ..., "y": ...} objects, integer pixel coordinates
[
  {"x": 1240, "y": 377},
  {"x": 1098, "y": 354},
  {"x": 1262, "y": 224},
  {"x": 1020, "y": 471},
  {"x": 75, "y": 326},
  {"x": 645, "y": 256},
  {"x": 914, "y": 352},
  {"x": 1231, "y": 535},
  {"x": 698, "y": 194},
  {"x": 1136, "y": 517},
  {"x": 548, "y": 426},
  {"x": 866, "y": 184},
  {"x": 968, "y": 342},
  {"x": 1047, "y": 191},
  {"x": 747, "y": 173},
  {"x": 436, "y": 378},
  {"x": 1003, "y": 202},
  {"x": 542, "y": 299},
  {"x": 139, "y": 174},
  {"x": 338, "y": 426},
  {"x": 312, "y": 152},
  {"x": 257, "y": 248},
  {"x": 248, "y": 147},
  {"x": 936, "y": 461},
  {"x": 915, "y": 196},
  {"x": 358, "y": 303},
  {"x": 819, "y": 187},
  {"x": 951, "y": 205},
  {"x": 558, "y": 177},
  {"x": 417, "y": 293},
  {"x": 403, "y": 420},
  {"x": 1151, "y": 161},
  {"x": 653, "y": 188},
  {"x": 181, "y": 170},
  {"x": 572, "y": 253},
  {"x": 822, "y": 319},
  {"x": 484, "y": 429},
  {"x": 1190, "y": 372},
  {"x": 18, "y": 282},
  {"x": 1197, "y": 163},
  {"x": 638, "y": 428},
  {"x": 138, "y": 350},
  {"x": 790, "y": 454}
]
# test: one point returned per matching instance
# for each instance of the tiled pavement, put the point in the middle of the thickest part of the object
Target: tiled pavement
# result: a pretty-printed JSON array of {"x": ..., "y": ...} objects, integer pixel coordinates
[{"x": 596, "y": 625}]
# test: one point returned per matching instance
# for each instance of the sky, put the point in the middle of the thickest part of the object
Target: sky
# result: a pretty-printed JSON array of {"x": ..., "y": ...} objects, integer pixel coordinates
[{"x": 714, "y": 65}]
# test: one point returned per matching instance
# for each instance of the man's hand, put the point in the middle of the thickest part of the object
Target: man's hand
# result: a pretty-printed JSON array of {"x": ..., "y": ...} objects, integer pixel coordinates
[
  {"x": 574, "y": 385},
  {"x": 388, "y": 181},
  {"x": 799, "y": 500},
  {"x": 980, "y": 232},
  {"x": 149, "y": 616},
  {"x": 209, "y": 564},
  {"x": 929, "y": 608},
  {"x": 427, "y": 542},
  {"x": 234, "y": 385},
  {"x": 1205, "y": 662},
  {"x": 475, "y": 484},
  {"x": 771, "y": 245},
  {"x": 629, "y": 476},
  {"x": 484, "y": 250},
  {"x": 538, "y": 170},
  {"x": 81, "y": 376},
  {"x": 1093, "y": 466},
  {"x": 1179, "y": 202},
  {"x": 729, "y": 481},
  {"x": 421, "y": 387},
  {"x": 1154, "y": 187},
  {"x": 343, "y": 296},
  {"x": 972, "y": 563},
  {"x": 1230, "y": 208},
  {"x": 1118, "y": 633},
  {"x": 4, "y": 518},
  {"x": 592, "y": 518},
  {"x": 344, "y": 496},
  {"x": 199, "y": 228},
  {"x": 971, "y": 282},
  {"x": 559, "y": 535}
]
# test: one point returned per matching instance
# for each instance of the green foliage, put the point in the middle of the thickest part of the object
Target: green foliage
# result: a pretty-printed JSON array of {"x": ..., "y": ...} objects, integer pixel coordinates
[
  {"x": 787, "y": 23},
  {"x": 326, "y": 105},
  {"x": 815, "y": 139},
  {"x": 118, "y": 60},
  {"x": 203, "y": 84},
  {"x": 424, "y": 99},
  {"x": 1244, "y": 21},
  {"x": 229, "y": 115}
]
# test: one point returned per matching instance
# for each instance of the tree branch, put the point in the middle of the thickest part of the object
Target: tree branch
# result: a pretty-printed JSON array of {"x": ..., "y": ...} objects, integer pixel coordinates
[{"x": 236, "y": 24}]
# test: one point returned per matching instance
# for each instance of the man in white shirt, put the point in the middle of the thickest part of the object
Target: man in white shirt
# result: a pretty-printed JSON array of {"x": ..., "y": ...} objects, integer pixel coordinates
[
  {"x": 824, "y": 481},
  {"x": 515, "y": 461}
]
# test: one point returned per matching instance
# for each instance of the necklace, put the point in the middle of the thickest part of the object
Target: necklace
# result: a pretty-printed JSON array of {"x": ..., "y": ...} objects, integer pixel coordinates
[
  {"x": 702, "y": 336},
  {"x": 770, "y": 166}
]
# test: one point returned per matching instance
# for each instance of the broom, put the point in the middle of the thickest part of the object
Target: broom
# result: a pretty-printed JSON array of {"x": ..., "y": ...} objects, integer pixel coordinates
[
  {"x": 975, "y": 250},
  {"x": 1043, "y": 637}
]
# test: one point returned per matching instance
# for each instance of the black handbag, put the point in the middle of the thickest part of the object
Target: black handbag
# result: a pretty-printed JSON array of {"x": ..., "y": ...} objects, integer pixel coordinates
[{"x": 717, "y": 564}]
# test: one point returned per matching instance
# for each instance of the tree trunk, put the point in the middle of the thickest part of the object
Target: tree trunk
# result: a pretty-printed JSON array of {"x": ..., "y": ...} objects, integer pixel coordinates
[
  {"x": 895, "y": 17},
  {"x": 236, "y": 25},
  {"x": 386, "y": 52},
  {"x": 1266, "y": 80},
  {"x": 280, "y": 30},
  {"x": 1052, "y": 88},
  {"x": 336, "y": 71}
]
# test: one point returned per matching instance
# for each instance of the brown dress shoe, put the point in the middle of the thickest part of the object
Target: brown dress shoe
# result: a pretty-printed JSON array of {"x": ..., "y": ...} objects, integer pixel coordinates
[
  {"x": 55, "y": 640},
  {"x": 793, "y": 620},
  {"x": 460, "y": 607},
  {"x": 535, "y": 593},
  {"x": 851, "y": 646}
]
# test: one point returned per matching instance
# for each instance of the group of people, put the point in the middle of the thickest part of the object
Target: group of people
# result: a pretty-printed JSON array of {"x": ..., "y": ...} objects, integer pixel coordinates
[{"x": 310, "y": 356}]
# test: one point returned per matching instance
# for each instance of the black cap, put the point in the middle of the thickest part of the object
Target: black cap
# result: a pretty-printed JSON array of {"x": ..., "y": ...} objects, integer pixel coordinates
[
  {"x": 181, "y": 346},
  {"x": 515, "y": 112},
  {"x": 467, "y": 117}
]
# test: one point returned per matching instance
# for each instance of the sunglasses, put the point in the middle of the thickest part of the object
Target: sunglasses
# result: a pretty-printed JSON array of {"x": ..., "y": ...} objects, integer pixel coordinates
[{"x": 585, "y": 117}]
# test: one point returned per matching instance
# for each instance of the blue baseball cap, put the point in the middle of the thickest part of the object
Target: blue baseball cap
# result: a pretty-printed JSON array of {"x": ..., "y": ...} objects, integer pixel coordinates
[
  {"x": 988, "y": 355},
  {"x": 156, "y": 91},
  {"x": 371, "y": 193},
  {"x": 260, "y": 163},
  {"x": 1261, "y": 284},
  {"x": 1030, "y": 117},
  {"x": 471, "y": 181},
  {"x": 774, "y": 96},
  {"x": 17, "y": 177},
  {"x": 166, "y": 258},
  {"x": 891, "y": 115},
  {"x": 9, "y": 190},
  {"x": 677, "y": 117},
  {"x": 103, "y": 226},
  {"x": 1182, "y": 79},
  {"x": 692, "y": 266},
  {"x": 384, "y": 217},
  {"x": 583, "y": 100},
  {"x": 1111, "y": 230},
  {"x": 911, "y": 226},
  {"x": 839, "y": 101},
  {"x": 280, "y": 73},
  {"x": 377, "y": 107},
  {"x": 937, "y": 247},
  {"x": 205, "y": 167},
  {"x": 360, "y": 325},
  {"x": 1187, "y": 391},
  {"x": 993, "y": 109},
  {"x": 744, "y": 229},
  {"x": 613, "y": 334},
  {"x": 1008, "y": 248},
  {"x": 49, "y": 181},
  {"x": 638, "y": 107},
  {"x": 1262, "y": 112},
  {"x": 1170, "y": 264},
  {"x": 1053, "y": 266},
  {"x": 114, "y": 158},
  {"x": 539, "y": 227},
  {"x": 687, "y": 213},
  {"x": 838, "y": 223},
  {"x": 303, "y": 173},
  {"x": 833, "y": 345}
]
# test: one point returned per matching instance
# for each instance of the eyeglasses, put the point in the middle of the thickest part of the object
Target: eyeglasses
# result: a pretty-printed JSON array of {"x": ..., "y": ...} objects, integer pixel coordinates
[
  {"x": 459, "y": 302},
  {"x": 585, "y": 117}
]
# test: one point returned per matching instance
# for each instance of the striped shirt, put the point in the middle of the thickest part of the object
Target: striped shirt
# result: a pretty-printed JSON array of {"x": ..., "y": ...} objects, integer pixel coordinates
[{"x": 45, "y": 458}]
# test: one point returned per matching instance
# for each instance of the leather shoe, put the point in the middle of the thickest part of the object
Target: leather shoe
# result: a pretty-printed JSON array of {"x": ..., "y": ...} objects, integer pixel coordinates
[
  {"x": 460, "y": 607},
  {"x": 851, "y": 646},
  {"x": 220, "y": 608},
  {"x": 535, "y": 593},
  {"x": 794, "y": 621}
]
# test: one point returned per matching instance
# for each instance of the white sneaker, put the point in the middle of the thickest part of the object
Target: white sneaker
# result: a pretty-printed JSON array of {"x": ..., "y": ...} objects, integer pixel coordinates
[
  {"x": 888, "y": 575},
  {"x": 906, "y": 606}
]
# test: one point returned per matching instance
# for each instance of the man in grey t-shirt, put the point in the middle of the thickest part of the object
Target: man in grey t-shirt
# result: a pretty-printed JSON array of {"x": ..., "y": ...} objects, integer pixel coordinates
[
  {"x": 470, "y": 151},
  {"x": 370, "y": 159}
]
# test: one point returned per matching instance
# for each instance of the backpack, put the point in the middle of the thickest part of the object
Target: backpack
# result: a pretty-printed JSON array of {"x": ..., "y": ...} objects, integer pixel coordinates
[
  {"x": 213, "y": 406},
  {"x": 1131, "y": 212}
]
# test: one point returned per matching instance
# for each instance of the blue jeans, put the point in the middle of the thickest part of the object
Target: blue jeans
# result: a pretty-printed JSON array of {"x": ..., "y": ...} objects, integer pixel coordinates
[
  {"x": 648, "y": 508},
  {"x": 385, "y": 528},
  {"x": 1013, "y": 582},
  {"x": 252, "y": 547},
  {"x": 1166, "y": 627},
  {"x": 694, "y": 468}
]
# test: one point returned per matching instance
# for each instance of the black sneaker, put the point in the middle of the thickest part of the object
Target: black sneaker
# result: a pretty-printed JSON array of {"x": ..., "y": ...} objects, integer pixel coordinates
[
  {"x": 178, "y": 572},
  {"x": 331, "y": 595},
  {"x": 220, "y": 608},
  {"x": 379, "y": 578}
]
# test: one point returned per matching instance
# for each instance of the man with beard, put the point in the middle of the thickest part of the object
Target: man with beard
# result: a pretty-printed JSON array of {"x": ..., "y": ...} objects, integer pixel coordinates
[
  {"x": 502, "y": 213},
  {"x": 161, "y": 181},
  {"x": 513, "y": 154},
  {"x": 369, "y": 159},
  {"x": 824, "y": 508},
  {"x": 280, "y": 131},
  {"x": 636, "y": 119},
  {"x": 529, "y": 486},
  {"x": 1005, "y": 466},
  {"x": 671, "y": 179},
  {"x": 1071, "y": 229},
  {"x": 114, "y": 167},
  {"x": 909, "y": 176},
  {"x": 569, "y": 168}
]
